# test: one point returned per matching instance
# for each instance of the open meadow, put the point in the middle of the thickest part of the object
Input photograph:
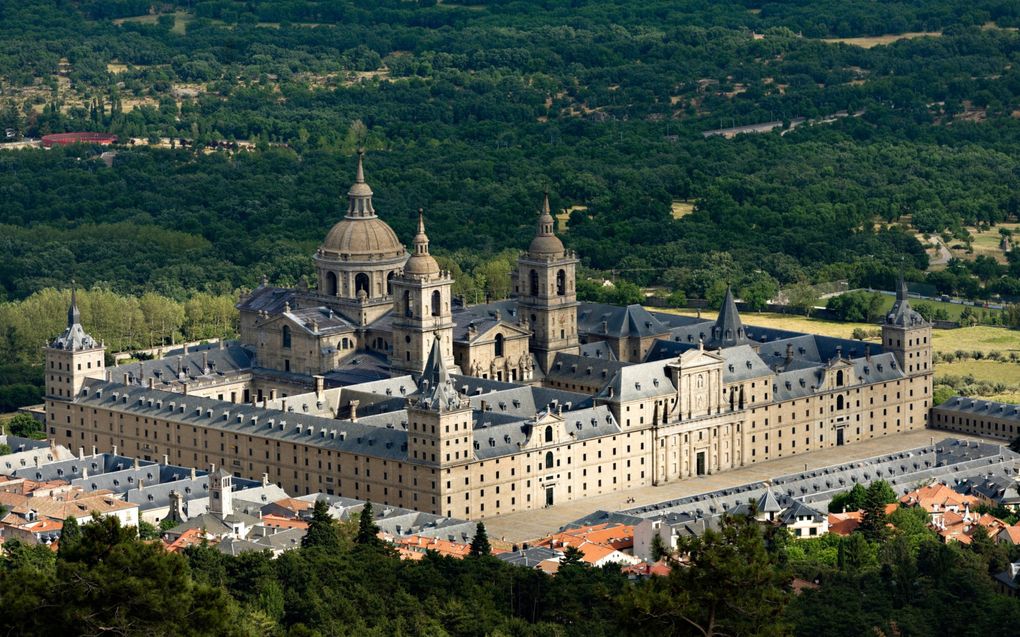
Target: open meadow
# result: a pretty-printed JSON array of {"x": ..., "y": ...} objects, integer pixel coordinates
[{"x": 969, "y": 340}]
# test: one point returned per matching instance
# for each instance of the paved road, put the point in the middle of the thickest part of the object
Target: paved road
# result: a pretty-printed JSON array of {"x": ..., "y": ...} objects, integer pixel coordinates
[{"x": 528, "y": 525}]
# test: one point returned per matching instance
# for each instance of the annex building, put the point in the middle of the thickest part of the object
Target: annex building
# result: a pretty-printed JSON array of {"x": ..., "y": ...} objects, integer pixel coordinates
[{"x": 376, "y": 385}]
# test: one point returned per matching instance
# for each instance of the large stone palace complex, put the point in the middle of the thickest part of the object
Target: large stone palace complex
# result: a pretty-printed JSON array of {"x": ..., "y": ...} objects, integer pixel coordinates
[{"x": 377, "y": 385}]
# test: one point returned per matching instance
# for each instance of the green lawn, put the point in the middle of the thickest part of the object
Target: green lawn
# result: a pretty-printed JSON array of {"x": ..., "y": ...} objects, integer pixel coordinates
[{"x": 952, "y": 309}]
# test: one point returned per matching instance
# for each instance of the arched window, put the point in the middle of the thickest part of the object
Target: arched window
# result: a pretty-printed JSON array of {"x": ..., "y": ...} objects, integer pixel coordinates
[
  {"x": 548, "y": 434},
  {"x": 407, "y": 304},
  {"x": 331, "y": 286},
  {"x": 548, "y": 460},
  {"x": 499, "y": 345},
  {"x": 361, "y": 283},
  {"x": 561, "y": 282},
  {"x": 839, "y": 402},
  {"x": 389, "y": 282},
  {"x": 839, "y": 378},
  {"x": 286, "y": 336},
  {"x": 437, "y": 303},
  {"x": 534, "y": 283}
]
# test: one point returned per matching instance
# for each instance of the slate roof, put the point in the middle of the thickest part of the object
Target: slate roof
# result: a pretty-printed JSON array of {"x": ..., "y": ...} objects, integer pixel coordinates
[
  {"x": 966, "y": 406},
  {"x": 268, "y": 299},
  {"x": 231, "y": 359},
  {"x": 74, "y": 338},
  {"x": 634, "y": 382},
  {"x": 483, "y": 318},
  {"x": 728, "y": 330},
  {"x": 742, "y": 363},
  {"x": 573, "y": 368},
  {"x": 436, "y": 391},
  {"x": 620, "y": 322},
  {"x": 530, "y": 557},
  {"x": 901, "y": 314},
  {"x": 598, "y": 349}
]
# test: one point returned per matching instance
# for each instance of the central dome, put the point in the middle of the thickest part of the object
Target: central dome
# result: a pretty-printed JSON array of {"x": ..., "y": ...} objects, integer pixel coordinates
[
  {"x": 361, "y": 235},
  {"x": 362, "y": 239}
]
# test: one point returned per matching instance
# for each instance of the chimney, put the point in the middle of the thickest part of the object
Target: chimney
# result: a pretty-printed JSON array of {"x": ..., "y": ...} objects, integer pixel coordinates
[
  {"x": 272, "y": 394},
  {"x": 81, "y": 454},
  {"x": 789, "y": 354},
  {"x": 94, "y": 451},
  {"x": 114, "y": 449},
  {"x": 867, "y": 353},
  {"x": 166, "y": 459},
  {"x": 141, "y": 485},
  {"x": 265, "y": 479},
  {"x": 320, "y": 385},
  {"x": 205, "y": 362},
  {"x": 137, "y": 464},
  {"x": 185, "y": 348},
  {"x": 152, "y": 382},
  {"x": 127, "y": 378},
  {"x": 221, "y": 344},
  {"x": 485, "y": 406},
  {"x": 194, "y": 473},
  {"x": 283, "y": 404},
  {"x": 605, "y": 327},
  {"x": 839, "y": 352},
  {"x": 354, "y": 410}
]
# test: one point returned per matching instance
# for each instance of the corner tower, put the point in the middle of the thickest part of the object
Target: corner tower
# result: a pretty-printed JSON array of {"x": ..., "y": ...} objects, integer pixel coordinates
[
  {"x": 71, "y": 358},
  {"x": 546, "y": 293},
  {"x": 422, "y": 316},
  {"x": 440, "y": 419},
  {"x": 359, "y": 258},
  {"x": 907, "y": 335}
]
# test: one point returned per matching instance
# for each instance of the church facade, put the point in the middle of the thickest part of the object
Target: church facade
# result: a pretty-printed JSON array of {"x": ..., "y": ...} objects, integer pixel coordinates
[{"x": 375, "y": 384}]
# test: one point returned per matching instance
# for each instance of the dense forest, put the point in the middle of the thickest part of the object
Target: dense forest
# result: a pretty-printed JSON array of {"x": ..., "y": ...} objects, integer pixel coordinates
[
  {"x": 738, "y": 580},
  {"x": 239, "y": 122}
]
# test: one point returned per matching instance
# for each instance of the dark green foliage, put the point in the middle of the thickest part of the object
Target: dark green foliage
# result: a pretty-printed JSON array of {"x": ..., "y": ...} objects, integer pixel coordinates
[
  {"x": 368, "y": 532},
  {"x": 25, "y": 426},
  {"x": 857, "y": 306},
  {"x": 874, "y": 520},
  {"x": 732, "y": 586},
  {"x": 147, "y": 531},
  {"x": 322, "y": 529},
  {"x": 480, "y": 542}
]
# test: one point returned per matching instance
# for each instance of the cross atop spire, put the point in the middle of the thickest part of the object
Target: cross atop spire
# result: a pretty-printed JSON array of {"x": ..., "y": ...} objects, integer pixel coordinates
[{"x": 359, "y": 197}]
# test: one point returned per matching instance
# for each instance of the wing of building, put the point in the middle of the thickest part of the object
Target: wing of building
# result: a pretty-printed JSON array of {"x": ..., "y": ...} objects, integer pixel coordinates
[{"x": 375, "y": 385}]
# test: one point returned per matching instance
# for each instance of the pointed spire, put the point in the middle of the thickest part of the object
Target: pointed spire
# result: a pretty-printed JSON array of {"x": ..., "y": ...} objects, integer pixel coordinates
[
  {"x": 728, "y": 329},
  {"x": 421, "y": 240},
  {"x": 359, "y": 177},
  {"x": 901, "y": 313},
  {"x": 73, "y": 315},
  {"x": 546, "y": 243},
  {"x": 435, "y": 389},
  {"x": 421, "y": 264},
  {"x": 360, "y": 195},
  {"x": 901, "y": 288}
]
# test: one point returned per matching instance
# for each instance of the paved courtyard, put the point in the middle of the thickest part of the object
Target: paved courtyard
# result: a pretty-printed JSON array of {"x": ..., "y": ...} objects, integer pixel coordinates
[{"x": 528, "y": 525}]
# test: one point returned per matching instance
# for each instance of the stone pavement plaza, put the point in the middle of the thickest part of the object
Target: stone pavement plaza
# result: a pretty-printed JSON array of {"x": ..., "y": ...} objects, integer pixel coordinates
[{"x": 529, "y": 525}]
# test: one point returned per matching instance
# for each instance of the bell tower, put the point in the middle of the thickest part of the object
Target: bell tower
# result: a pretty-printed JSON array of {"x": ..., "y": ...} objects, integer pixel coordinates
[
  {"x": 422, "y": 315},
  {"x": 907, "y": 335},
  {"x": 440, "y": 420},
  {"x": 72, "y": 357},
  {"x": 546, "y": 293}
]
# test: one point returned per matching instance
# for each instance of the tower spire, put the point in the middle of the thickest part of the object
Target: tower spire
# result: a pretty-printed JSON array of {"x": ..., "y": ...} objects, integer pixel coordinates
[
  {"x": 421, "y": 240},
  {"x": 359, "y": 197},
  {"x": 546, "y": 243},
  {"x": 901, "y": 288},
  {"x": 73, "y": 315}
]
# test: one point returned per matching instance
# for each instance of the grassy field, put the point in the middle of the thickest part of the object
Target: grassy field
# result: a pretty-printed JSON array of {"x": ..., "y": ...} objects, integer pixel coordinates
[
  {"x": 981, "y": 338},
  {"x": 868, "y": 42},
  {"x": 786, "y": 322},
  {"x": 985, "y": 243},
  {"x": 682, "y": 208},
  {"x": 181, "y": 20},
  {"x": 953, "y": 310}
]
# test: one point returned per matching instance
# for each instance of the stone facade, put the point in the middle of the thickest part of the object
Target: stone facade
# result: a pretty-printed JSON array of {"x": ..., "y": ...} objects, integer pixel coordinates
[{"x": 388, "y": 392}]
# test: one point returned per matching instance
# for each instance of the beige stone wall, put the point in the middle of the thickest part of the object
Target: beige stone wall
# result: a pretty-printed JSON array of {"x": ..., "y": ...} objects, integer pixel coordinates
[
  {"x": 479, "y": 358},
  {"x": 1005, "y": 429},
  {"x": 65, "y": 371},
  {"x": 421, "y": 313}
]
